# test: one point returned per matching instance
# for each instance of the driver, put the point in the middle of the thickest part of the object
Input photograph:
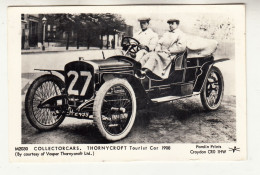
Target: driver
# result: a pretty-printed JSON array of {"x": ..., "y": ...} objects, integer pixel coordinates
[{"x": 147, "y": 38}]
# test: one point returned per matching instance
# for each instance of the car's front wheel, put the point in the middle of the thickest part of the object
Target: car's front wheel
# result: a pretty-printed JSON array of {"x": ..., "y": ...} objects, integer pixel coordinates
[
  {"x": 41, "y": 89},
  {"x": 213, "y": 89},
  {"x": 115, "y": 109}
]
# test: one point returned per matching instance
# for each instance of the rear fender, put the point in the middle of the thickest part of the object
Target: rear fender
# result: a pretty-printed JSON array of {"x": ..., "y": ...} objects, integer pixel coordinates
[
  {"x": 202, "y": 74},
  {"x": 220, "y": 60}
]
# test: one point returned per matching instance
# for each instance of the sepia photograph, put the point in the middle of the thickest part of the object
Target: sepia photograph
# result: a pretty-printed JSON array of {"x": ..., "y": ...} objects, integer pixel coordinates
[
  {"x": 126, "y": 77},
  {"x": 129, "y": 78}
]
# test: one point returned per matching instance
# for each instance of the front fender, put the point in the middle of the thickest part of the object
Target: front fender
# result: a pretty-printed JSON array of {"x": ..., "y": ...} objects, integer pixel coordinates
[
  {"x": 53, "y": 102},
  {"x": 141, "y": 95},
  {"x": 52, "y": 70}
]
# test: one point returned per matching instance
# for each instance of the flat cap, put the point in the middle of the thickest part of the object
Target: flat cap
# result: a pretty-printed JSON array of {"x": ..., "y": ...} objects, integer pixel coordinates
[
  {"x": 173, "y": 20},
  {"x": 144, "y": 19}
]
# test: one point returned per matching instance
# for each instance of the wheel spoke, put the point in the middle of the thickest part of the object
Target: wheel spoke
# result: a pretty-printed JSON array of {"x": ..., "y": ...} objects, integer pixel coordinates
[
  {"x": 38, "y": 95},
  {"x": 40, "y": 116},
  {"x": 44, "y": 91}
]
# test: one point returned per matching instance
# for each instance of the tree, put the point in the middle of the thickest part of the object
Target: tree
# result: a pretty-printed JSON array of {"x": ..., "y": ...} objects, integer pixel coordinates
[
  {"x": 66, "y": 24},
  {"x": 88, "y": 24},
  {"x": 108, "y": 24}
]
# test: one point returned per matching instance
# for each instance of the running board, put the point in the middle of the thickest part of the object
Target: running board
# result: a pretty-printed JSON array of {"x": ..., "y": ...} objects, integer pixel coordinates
[{"x": 171, "y": 98}]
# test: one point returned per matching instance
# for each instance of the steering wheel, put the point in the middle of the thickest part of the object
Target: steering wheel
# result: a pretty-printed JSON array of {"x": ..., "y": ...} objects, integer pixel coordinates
[{"x": 130, "y": 44}]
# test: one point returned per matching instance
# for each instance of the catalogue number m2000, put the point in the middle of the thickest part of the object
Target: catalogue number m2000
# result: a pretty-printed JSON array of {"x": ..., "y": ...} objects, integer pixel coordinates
[{"x": 21, "y": 148}]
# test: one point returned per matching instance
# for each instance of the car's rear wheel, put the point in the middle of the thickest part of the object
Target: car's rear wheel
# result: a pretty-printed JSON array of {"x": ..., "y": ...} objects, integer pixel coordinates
[
  {"x": 213, "y": 89},
  {"x": 115, "y": 109},
  {"x": 42, "y": 88}
]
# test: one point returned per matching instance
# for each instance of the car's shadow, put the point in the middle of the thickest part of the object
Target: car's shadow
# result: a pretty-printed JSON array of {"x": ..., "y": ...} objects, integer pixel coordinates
[
  {"x": 85, "y": 133},
  {"x": 179, "y": 110},
  {"x": 66, "y": 134}
]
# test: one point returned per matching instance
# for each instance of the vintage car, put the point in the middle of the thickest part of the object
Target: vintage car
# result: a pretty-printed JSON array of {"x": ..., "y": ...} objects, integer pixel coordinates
[{"x": 108, "y": 91}]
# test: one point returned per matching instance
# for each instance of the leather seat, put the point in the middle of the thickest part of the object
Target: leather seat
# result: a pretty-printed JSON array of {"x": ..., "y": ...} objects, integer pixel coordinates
[{"x": 179, "y": 60}]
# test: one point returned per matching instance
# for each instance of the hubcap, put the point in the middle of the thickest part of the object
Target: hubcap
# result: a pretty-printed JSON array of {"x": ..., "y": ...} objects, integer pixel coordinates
[
  {"x": 116, "y": 109},
  {"x": 213, "y": 89}
]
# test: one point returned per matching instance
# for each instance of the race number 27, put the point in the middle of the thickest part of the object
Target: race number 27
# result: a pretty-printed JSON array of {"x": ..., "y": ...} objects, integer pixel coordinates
[{"x": 76, "y": 76}]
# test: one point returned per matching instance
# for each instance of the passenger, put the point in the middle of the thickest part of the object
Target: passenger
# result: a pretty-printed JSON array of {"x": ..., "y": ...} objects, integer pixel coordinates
[
  {"x": 171, "y": 43},
  {"x": 147, "y": 38}
]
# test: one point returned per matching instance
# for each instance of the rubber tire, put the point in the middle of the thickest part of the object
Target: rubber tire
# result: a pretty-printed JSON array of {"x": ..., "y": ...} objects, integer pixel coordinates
[
  {"x": 29, "y": 99},
  {"x": 203, "y": 93},
  {"x": 98, "y": 103}
]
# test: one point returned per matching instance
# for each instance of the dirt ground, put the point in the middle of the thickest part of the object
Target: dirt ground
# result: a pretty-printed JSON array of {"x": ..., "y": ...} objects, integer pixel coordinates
[{"x": 181, "y": 121}]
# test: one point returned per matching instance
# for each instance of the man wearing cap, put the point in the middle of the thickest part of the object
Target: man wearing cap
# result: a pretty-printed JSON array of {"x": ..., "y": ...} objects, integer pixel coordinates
[
  {"x": 147, "y": 38},
  {"x": 171, "y": 43}
]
